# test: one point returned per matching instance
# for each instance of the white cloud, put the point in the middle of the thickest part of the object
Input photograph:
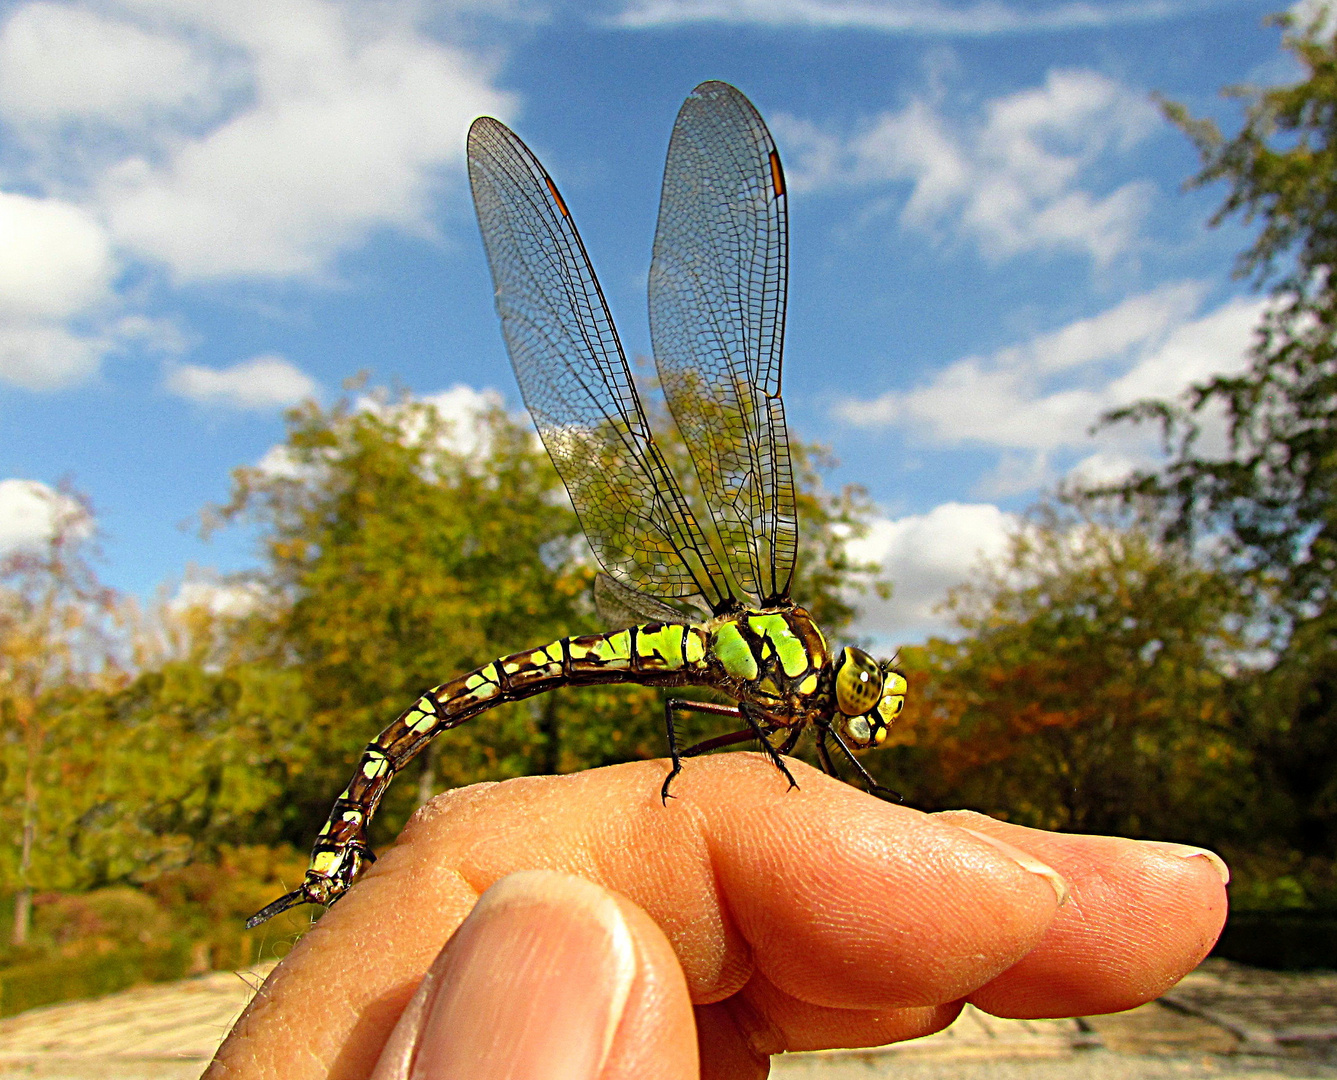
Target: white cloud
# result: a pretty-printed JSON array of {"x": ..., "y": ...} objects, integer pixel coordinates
[
  {"x": 1319, "y": 14},
  {"x": 1011, "y": 180},
  {"x": 462, "y": 407},
  {"x": 1042, "y": 397},
  {"x": 254, "y": 139},
  {"x": 906, "y": 16},
  {"x": 924, "y": 555},
  {"x": 263, "y": 382},
  {"x": 56, "y": 265},
  {"x": 29, "y": 512},
  {"x": 40, "y": 355},
  {"x": 228, "y": 601},
  {"x": 60, "y": 63},
  {"x": 55, "y": 259},
  {"x": 352, "y": 118}
]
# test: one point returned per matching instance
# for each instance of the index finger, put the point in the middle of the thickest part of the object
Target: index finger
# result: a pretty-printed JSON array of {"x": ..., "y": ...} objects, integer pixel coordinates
[{"x": 835, "y": 899}]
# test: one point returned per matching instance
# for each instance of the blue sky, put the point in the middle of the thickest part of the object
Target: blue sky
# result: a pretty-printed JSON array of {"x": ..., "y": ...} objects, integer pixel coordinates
[{"x": 211, "y": 211}]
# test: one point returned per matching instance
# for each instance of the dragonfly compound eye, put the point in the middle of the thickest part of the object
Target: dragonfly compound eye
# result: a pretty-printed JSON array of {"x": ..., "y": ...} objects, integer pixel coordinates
[{"x": 858, "y": 682}]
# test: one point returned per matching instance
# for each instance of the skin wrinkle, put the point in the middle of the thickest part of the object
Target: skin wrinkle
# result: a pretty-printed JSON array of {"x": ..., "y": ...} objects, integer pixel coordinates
[
  {"x": 734, "y": 962},
  {"x": 860, "y": 842}
]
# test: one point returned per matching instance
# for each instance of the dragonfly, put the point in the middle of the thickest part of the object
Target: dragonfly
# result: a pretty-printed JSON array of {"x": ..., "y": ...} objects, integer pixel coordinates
[{"x": 701, "y": 605}]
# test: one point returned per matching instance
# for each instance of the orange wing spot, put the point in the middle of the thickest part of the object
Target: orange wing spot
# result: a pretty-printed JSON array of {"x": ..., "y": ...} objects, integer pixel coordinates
[
  {"x": 557, "y": 198},
  {"x": 777, "y": 176}
]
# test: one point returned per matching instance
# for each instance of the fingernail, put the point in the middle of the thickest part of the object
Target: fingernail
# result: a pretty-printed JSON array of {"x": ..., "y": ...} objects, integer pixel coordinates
[
  {"x": 1187, "y": 851},
  {"x": 1027, "y": 862},
  {"x": 533, "y": 984}
]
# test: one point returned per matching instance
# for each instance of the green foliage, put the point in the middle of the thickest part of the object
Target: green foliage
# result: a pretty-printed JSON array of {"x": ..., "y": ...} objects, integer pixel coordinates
[
  {"x": 1088, "y": 690},
  {"x": 401, "y": 552},
  {"x": 1270, "y": 499},
  {"x": 181, "y": 922},
  {"x": 1269, "y": 505},
  {"x": 148, "y": 777}
]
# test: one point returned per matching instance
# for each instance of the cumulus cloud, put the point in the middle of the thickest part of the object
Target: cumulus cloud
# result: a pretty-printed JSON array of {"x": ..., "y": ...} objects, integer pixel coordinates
[
  {"x": 1034, "y": 400},
  {"x": 352, "y": 116},
  {"x": 464, "y": 409},
  {"x": 262, "y": 382},
  {"x": 55, "y": 259},
  {"x": 906, "y": 16},
  {"x": 225, "y": 600},
  {"x": 30, "y": 512},
  {"x": 61, "y": 64},
  {"x": 256, "y": 139},
  {"x": 1010, "y": 180},
  {"x": 1320, "y": 15},
  {"x": 56, "y": 266},
  {"x": 924, "y": 555}
]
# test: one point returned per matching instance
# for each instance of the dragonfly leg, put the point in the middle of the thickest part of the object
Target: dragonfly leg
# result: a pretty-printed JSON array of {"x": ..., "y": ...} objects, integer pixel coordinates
[
  {"x": 770, "y": 751},
  {"x": 792, "y": 740},
  {"x": 824, "y": 755},
  {"x": 676, "y": 705},
  {"x": 870, "y": 785}
]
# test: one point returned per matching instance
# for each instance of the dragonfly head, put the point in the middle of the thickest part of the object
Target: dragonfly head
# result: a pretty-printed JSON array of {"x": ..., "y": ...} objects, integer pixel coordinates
[{"x": 869, "y": 697}]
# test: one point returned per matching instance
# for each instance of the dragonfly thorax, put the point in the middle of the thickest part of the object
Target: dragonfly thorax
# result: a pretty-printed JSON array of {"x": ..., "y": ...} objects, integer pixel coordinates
[{"x": 774, "y": 658}]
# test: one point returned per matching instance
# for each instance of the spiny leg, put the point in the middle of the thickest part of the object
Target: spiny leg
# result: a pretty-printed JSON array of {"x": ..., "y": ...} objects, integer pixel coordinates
[
  {"x": 673, "y": 705},
  {"x": 870, "y": 785},
  {"x": 795, "y": 733},
  {"x": 766, "y": 746},
  {"x": 824, "y": 755}
]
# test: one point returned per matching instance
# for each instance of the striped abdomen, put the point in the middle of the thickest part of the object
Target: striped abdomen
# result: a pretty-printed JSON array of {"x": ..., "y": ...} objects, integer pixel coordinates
[{"x": 657, "y": 654}]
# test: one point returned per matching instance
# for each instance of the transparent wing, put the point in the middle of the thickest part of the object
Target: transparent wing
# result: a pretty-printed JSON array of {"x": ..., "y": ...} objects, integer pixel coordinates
[
  {"x": 619, "y": 606},
  {"x": 575, "y": 380},
  {"x": 717, "y": 309}
]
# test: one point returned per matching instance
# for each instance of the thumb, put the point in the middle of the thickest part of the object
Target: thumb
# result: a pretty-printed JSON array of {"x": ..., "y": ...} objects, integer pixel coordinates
[{"x": 551, "y": 977}]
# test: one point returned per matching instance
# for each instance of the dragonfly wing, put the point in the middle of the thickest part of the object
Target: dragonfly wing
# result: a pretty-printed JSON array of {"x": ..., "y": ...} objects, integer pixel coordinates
[
  {"x": 575, "y": 379},
  {"x": 620, "y": 606},
  {"x": 718, "y": 281}
]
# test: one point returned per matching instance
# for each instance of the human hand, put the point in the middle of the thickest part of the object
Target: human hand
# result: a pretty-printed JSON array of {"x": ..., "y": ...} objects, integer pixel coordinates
[{"x": 740, "y": 921}]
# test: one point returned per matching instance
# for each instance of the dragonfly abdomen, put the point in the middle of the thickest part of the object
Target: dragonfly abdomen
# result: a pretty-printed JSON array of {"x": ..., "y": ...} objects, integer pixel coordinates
[{"x": 664, "y": 654}]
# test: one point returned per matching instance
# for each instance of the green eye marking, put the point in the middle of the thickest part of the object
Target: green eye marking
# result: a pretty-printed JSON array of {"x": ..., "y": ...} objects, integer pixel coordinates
[{"x": 734, "y": 653}]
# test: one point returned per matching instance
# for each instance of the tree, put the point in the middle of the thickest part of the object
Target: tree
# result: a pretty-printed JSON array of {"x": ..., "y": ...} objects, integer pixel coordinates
[
  {"x": 1269, "y": 500},
  {"x": 1268, "y": 507},
  {"x": 403, "y": 548},
  {"x": 53, "y": 614},
  {"x": 1088, "y": 690}
]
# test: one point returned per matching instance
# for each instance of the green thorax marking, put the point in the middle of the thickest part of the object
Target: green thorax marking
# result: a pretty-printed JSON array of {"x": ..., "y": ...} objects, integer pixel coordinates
[{"x": 781, "y": 651}]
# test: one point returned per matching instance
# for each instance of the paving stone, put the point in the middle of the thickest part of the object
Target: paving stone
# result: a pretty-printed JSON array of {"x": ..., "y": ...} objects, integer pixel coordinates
[
  {"x": 164, "y": 1032},
  {"x": 1210, "y": 1025},
  {"x": 1270, "y": 1011}
]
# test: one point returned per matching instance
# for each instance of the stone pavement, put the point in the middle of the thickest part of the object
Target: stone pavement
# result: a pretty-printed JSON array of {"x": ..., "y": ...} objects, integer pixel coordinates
[{"x": 1224, "y": 1020}]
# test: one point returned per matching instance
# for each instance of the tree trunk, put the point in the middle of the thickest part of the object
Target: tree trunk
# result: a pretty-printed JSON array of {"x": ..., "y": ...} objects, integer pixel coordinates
[{"x": 23, "y": 898}]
